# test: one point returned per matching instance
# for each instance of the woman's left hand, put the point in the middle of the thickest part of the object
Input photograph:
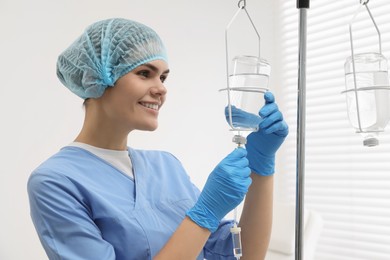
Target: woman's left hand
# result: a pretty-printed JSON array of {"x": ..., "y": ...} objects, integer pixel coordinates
[{"x": 263, "y": 144}]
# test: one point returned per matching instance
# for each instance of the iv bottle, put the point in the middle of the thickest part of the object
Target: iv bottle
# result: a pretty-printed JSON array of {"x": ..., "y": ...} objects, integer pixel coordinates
[
  {"x": 367, "y": 95},
  {"x": 248, "y": 81}
]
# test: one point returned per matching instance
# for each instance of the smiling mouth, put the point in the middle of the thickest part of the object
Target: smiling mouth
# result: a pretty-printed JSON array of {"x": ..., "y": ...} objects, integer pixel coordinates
[{"x": 150, "y": 105}]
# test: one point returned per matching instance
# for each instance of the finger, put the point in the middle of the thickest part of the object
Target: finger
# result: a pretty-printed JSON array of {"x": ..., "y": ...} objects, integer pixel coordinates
[
  {"x": 247, "y": 173},
  {"x": 246, "y": 182},
  {"x": 269, "y": 97},
  {"x": 238, "y": 153},
  {"x": 241, "y": 118},
  {"x": 241, "y": 163},
  {"x": 268, "y": 109},
  {"x": 283, "y": 129},
  {"x": 244, "y": 173},
  {"x": 271, "y": 119},
  {"x": 280, "y": 129}
]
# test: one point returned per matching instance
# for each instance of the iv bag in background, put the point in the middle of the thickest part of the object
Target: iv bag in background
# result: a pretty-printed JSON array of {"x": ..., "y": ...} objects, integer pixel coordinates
[{"x": 368, "y": 103}]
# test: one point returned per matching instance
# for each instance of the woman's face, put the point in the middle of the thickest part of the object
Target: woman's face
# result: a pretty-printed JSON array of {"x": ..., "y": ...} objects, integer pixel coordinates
[{"x": 136, "y": 98}]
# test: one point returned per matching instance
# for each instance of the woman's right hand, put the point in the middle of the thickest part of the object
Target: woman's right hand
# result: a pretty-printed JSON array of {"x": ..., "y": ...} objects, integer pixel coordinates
[{"x": 224, "y": 190}]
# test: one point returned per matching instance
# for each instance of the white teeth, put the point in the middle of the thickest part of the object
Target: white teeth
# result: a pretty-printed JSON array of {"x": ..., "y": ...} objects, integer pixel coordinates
[{"x": 151, "y": 106}]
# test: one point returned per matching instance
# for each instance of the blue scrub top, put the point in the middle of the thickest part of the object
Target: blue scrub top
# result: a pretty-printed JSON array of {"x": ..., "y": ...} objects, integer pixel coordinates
[{"x": 84, "y": 208}]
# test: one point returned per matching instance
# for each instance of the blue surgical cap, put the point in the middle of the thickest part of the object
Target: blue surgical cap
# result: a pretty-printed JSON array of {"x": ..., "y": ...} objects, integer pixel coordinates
[{"x": 106, "y": 51}]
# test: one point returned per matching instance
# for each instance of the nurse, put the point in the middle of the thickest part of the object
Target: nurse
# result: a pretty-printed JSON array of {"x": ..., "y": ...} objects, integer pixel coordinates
[{"x": 97, "y": 198}]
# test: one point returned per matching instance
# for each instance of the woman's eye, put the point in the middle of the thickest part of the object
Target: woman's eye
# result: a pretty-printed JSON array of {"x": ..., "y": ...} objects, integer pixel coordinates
[
  {"x": 163, "y": 78},
  {"x": 144, "y": 73}
]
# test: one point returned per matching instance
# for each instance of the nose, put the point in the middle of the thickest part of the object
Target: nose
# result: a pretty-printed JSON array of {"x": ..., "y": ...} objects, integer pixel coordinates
[{"x": 159, "y": 89}]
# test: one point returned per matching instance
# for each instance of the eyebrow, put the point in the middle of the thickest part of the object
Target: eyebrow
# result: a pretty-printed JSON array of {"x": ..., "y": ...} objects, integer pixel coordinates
[{"x": 154, "y": 68}]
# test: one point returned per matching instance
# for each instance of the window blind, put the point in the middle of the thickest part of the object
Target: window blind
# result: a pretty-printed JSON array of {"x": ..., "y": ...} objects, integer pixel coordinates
[{"x": 347, "y": 183}]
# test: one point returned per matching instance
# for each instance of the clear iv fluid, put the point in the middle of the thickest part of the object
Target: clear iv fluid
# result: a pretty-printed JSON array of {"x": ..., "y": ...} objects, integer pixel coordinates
[
  {"x": 247, "y": 94},
  {"x": 251, "y": 80},
  {"x": 374, "y": 105}
]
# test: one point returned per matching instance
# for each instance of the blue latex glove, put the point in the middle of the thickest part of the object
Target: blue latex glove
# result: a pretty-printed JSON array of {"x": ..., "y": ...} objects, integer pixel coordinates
[
  {"x": 225, "y": 188},
  {"x": 242, "y": 119},
  {"x": 263, "y": 144}
]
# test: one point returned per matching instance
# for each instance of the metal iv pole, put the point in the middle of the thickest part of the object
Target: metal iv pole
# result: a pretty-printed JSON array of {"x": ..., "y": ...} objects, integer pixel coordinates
[{"x": 302, "y": 5}]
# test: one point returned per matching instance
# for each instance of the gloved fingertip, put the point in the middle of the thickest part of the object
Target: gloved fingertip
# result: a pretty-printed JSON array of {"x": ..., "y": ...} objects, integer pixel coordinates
[
  {"x": 269, "y": 97},
  {"x": 249, "y": 181},
  {"x": 248, "y": 173},
  {"x": 240, "y": 151}
]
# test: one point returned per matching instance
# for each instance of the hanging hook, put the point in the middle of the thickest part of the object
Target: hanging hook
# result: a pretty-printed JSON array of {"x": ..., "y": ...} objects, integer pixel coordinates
[
  {"x": 365, "y": 4},
  {"x": 240, "y": 8},
  {"x": 243, "y": 2}
]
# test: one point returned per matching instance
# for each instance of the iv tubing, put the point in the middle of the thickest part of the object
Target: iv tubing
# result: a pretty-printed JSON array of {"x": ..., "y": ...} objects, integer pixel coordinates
[{"x": 236, "y": 231}]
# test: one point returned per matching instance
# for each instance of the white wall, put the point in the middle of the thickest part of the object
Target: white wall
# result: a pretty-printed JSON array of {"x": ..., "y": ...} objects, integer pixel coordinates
[{"x": 39, "y": 115}]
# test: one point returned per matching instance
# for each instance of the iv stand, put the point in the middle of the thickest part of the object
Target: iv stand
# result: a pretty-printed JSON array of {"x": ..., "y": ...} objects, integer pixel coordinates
[{"x": 302, "y": 5}]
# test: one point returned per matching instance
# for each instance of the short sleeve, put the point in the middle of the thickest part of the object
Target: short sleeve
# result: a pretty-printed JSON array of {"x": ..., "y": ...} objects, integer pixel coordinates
[{"x": 62, "y": 219}]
